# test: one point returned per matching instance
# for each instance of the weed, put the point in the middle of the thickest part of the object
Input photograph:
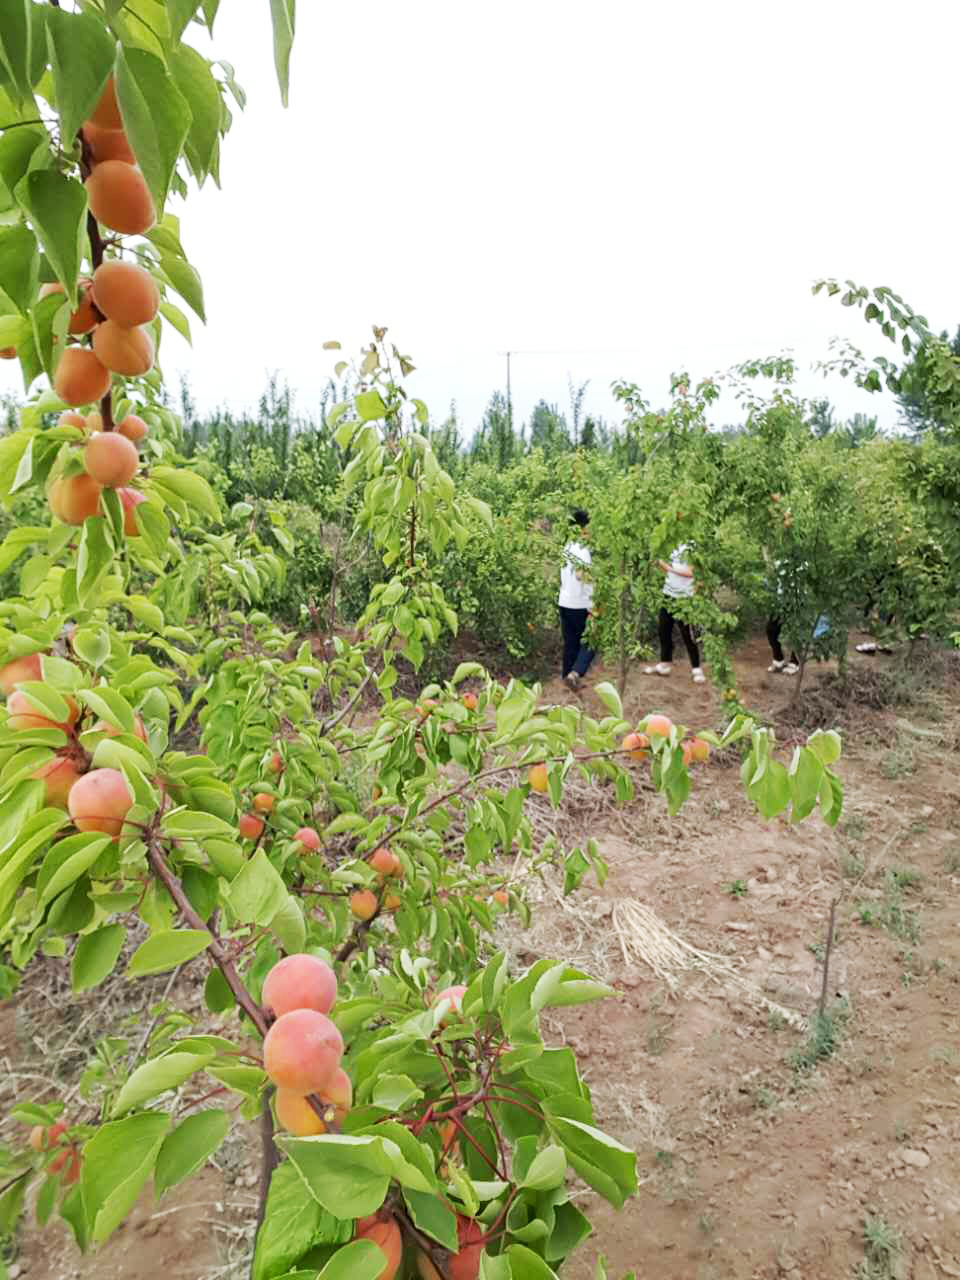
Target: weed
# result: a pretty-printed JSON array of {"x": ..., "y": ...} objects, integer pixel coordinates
[
  {"x": 901, "y": 1132},
  {"x": 664, "y": 1159},
  {"x": 775, "y": 1020},
  {"x": 737, "y": 888},
  {"x": 707, "y": 1223},
  {"x": 904, "y": 877},
  {"x": 882, "y": 1247},
  {"x": 854, "y": 827},
  {"x": 818, "y": 950},
  {"x": 890, "y": 912},
  {"x": 946, "y": 1054},
  {"x": 823, "y": 1039},
  {"x": 852, "y": 867},
  {"x": 951, "y": 861},
  {"x": 900, "y": 761},
  {"x": 658, "y": 1029},
  {"x": 764, "y": 1099}
]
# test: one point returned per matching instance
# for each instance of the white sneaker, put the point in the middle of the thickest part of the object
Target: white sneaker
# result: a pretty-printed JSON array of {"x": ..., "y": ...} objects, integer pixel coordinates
[
  {"x": 698, "y": 676},
  {"x": 777, "y": 667},
  {"x": 790, "y": 668},
  {"x": 572, "y": 681},
  {"x": 661, "y": 669}
]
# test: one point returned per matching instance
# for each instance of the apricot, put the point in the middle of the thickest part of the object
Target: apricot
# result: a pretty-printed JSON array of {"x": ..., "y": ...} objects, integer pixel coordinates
[
  {"x": 463, "y": 1265},
  {"x": 8, "y": 353},
  {"x": 37, "y": 1136},
  {"x": 43, "y": 1138},
  {"x": 18, "y": 670},
  {"x": 120, "y": 198},
  {"x": 22, "y": 714},
  {"x": 392, "y": 902},
  {"x": 339, "y": 1093},
  {"x": 635, "y": 745},
  {"x": 93, "y": 421},
  {"x": 79, "y": 377},
  {"x": 363, "y": 904},
  {"x": 263, "y": 802},
  {"x": 130, "y": 499},
  {"x": 106, "y": 114},
  {"x": 658, "y": 726},
  {"x": 295, "y": 1114},
  {"x": 58, "y": 776},
  {"x": 276, "y": 764},
  {"x": 74, "y": 498},
  {"x": 100, "y": 801},
  {"x": 250, "y": 827},
  {"x": 72, "y": 1173},
  {"x": 300, "y": 981},
  {"x": 111, "y": 730},
  {"x": 386, "y": 862},
  {"x": 110, "y": 459},
  {"x": 107, "y": 144},
  {"x": 699, "y": 751},
  {"x": 127, "y": 351},
  {"x": 302, "y": 1050},
  {"x": 501, "y": 897},
  {"x": 133, "y": 427},
  {"x": 386, "y": 1236},
  {"x": 537, "y": 777},
  {"x": 71, "y": 419},
  {"x": 454, "y": 995},
  {"x": 84, "y": 318},
  {"x": 125, "y": 292},
  {"x": 471, "y": 701},
  {"x": 687, "y": 748},
  {"x": 308, "y": 838}
]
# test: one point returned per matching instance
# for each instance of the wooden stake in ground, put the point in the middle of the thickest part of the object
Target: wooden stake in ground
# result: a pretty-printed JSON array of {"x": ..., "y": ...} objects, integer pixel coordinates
[{"x": 826, "y": 959}]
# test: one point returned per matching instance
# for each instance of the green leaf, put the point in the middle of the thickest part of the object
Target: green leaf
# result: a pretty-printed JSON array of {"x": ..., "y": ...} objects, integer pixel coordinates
[
  {"x": 96, "y": 956},
  {"x": 157, "y": 1076},
  {"x": 110, "y": 706},
  {"x": 359, "y": 1260},
  {"x": 15, "y": 44},
  {"x": 67, "y": 861},
  {"x": 182, "y": 277},
  {"x": 81, "y": 55},
  {"x": 258, "y": 892},
  {"x": 190, "y": 487},
  {"x": 283, "y": 13},
  {"x": 771, "y": 791},
  {"x": 57, "y": 207},
  {"x": 395, "y": 1093},
  {"x": 177, "y": 319},
  {"x": 166, "y": 949},
  {"x": 589, "y": 1150},
  {"x": 608, "y": 695},
  {"x": 117, "y": 1161},
  {"x": 294, "y": 1222},
  {"x": 350, "y": 1176},
  {"x": 527, "y": 1265},
  {"x": 547, "y": 1170},
  {"x": 94, "y": 557},
  {"x": 17, "y": 857},
  {"x": 155, "y": 114},
  {"x": 190, "y": 1145},
  {"x": 289, "y": 927},
  {"x": 434, "y": 1218},
  {"x": 193, "y": 77},
  {"x": 19, "y": 265},
  {"x": 370, "y": 406},
  {"x": 826, "y": 745}
]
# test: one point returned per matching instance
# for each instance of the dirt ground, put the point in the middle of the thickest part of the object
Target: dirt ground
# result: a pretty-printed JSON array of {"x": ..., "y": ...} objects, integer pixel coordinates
[{"x": 750, "y": 1168}]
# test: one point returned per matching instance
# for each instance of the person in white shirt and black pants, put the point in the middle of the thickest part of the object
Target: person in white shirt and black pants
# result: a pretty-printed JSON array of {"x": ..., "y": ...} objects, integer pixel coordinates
[
  {"x": 677, "y": 585},
  {"x": 576, "y": 602}
]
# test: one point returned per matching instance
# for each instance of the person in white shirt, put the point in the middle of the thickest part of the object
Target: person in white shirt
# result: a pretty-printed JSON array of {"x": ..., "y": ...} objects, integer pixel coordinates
[
  {"x": 677, "y": 585},
  {"x": 576, "y": 602}
]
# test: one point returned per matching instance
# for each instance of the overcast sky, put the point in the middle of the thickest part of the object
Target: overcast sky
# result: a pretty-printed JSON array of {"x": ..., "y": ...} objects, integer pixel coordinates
[{"x": 637, "y": 187}]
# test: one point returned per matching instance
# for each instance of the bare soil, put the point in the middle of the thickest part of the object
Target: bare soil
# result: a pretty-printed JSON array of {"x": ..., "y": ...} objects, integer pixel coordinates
[{"x": 750, "y": 1169}]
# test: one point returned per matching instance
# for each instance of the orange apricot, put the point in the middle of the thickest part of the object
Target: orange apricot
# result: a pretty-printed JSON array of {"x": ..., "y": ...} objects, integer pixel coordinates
[
  {"x": 130, "y": 352},
  {"x": 84, "y": 318},
  {"x": 308, "y": 839},
  {"x": 72, "y": 1172},
  {"x": 302, "y": 1050},
  {"x": 129, "y": 500},
  {"x": 300, "y": 981},
  {"x": 471, "y": 701},
  {"x": 392, "y": 902},
  {"x": 635, "y": 745},
  {"x": 386, "y": 1236},
  {"x": 263, "y": 802},
  {"x": 120, "y": 198},
  {"x": 250, "y": 826},
  {"x": 58, "y": 776},
  {"x": 111, "y": 730},
  {"x": 386, "y": 862},
  {"x": 687, "y": 748},
  {"x": 125, "y": 292},
  {"x": 658, "y": 726},
  {"x": 295, "y": 1114},
  {"x": 276, "y": 764},
  {"x": 106, "y": 114},
  {"x": 72, "y": 419},
  {"x": 79, "y": 377},
  {"x": 501, "y": 897},
  {"x": 363, "y": 904},
  {"x": 74, "y": 498},
  {"x": 22, "y": 714},
  {"x": 699, "y": 751},
  {"x": 107, "y": 144},
  {"x": 110, "y": 459},
  {"x": 18, "y": 670},
  {"x": 537, "y": 777},
  {"x": 133, "y": 427},
  {"x": 100, "y": 801}
]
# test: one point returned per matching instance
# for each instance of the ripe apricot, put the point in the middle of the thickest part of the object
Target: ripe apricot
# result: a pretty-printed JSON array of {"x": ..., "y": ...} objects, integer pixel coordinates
[
  {"x": 133, "y": 427},
  {"x": 106, "y": 114},
  {"x": 125, "y": 292},
  {"x": 129, "y": 500},
  {"x": 250, "y": 827},
  {"x": 74, "y": 498},
  {"x": 501, "y": 897},
  {"x": 302, "y": 1050},
  {"x": 120, "y": 198},
  {"x": 100, "y": 801},
  {"x": 386, "y": 862},
  {"x": 276, "y": 764},
  {"x": 392, "y": 902},
  {"x": 300, "y": 981},
  {"x": 463, "y": 1265},
  {"x": 687, "y": 748},
  {"x": 107, "y": 144},
  {"x": 537, "y": 777},
  {"x": 699, "y": 751},
  {"x": 295, "y": 1114},
  {"x": 72, "y": 1173},
  {"x": 110, "y": 459},
  {"x": 139, "y": 729},
  {"x": 127, "y": 351},
  {"x": 263, "y": 802},
  {"x": 635, "y": 745},
  {"x": 386, "y": 1236},
  {"x": 18, "y": 670},
  {"x": 22, "y": 714},
  {"x": 339, "y": 1093},
  {"x": 363, "y": 904},
  {"x": 308, "y": 838},
  {"x": 71, "y": 419},
  {"x": 58, "y": 776},
  {"x": 454, "y": 995},
  {"x": 658, "y": 726},
  {"x": 79, "y": 377},
  {"x": 471, "y": 701},
  {"x": 84, "y": 318}
]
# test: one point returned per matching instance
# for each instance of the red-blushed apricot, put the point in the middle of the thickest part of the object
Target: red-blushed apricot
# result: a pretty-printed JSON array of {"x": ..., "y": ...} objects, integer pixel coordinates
[
  {"x": 72, "y": 419},
  {"x": 537, "y": 777},
  {"x": 699, "y": 751},
  {"x": 73, "y": 1169},
  {"x": 125, "y": 292},
  {"x": 111, "y": 730},
  {"x": 501, "y": 897},
  {"x": 18, "y": 670},
  {"x": 74, "y": 498},
  {"x": 276, "y": 764},
  {"x": 339, "y": 1095},
  {"x": 106, "y": 114},
  {"x": 22, "y": 714},
  {"x": 471, "y": 701},
  {"x": 120, "y": 198},
  {"x": 94, "y": 421},
  {"x": 392, "y": 902},
  {"x": 687, "y": 748},
  {"x": 107, "y": 144},
  {"x": 133, "y": 427},
  {"x": 385, "y": 1234},
  {"x": 302, "y": 1050},
  {"x": 58, "y": 776},
  {"x": 300, "y": 981},
  {"x": 127, "y": 351},
  {"x": 263, "y": 802},
  {"x": 454, "y": 995},
  {"x": 250, "y": 827},
  {"x": 636, "y": 744},
  {"x": 129, "y": 500},
  {"x": 308, "y": 838},
  {"x": 84, "y": 318},
  {"x": 658, "y": 726},
  {"x": 8, "y": 353},
  {"x": 363, "y": 904},
  {"x": 37, "y": 1136},
  {"x": 110, "y": 459},
  {"x": 465, "y": 1265},
  {"x": 386, "y": 862},
  {"x": 100, "y": 801},
  {"x": 79, "y": 377}
]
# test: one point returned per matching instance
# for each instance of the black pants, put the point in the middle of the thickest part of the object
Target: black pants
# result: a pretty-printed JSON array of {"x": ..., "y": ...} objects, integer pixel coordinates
[
  {"x": 666, "y": 623},
  {"x": 774, "y": 627},
  {"x": 576, "y": 657}
]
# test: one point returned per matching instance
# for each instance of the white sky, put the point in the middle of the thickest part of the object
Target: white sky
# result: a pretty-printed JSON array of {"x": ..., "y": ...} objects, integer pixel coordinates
[{"x": 639, "y": 186}]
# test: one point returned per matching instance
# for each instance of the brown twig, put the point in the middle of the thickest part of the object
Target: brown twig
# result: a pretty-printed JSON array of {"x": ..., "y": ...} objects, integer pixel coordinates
[{"x": 826, "y": 959}]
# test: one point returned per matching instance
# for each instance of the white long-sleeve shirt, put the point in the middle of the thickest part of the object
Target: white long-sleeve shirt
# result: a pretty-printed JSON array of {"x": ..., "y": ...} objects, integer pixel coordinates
[
  {"x": 678, "y": 584},
  {"x": 575, "y": 593}
]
